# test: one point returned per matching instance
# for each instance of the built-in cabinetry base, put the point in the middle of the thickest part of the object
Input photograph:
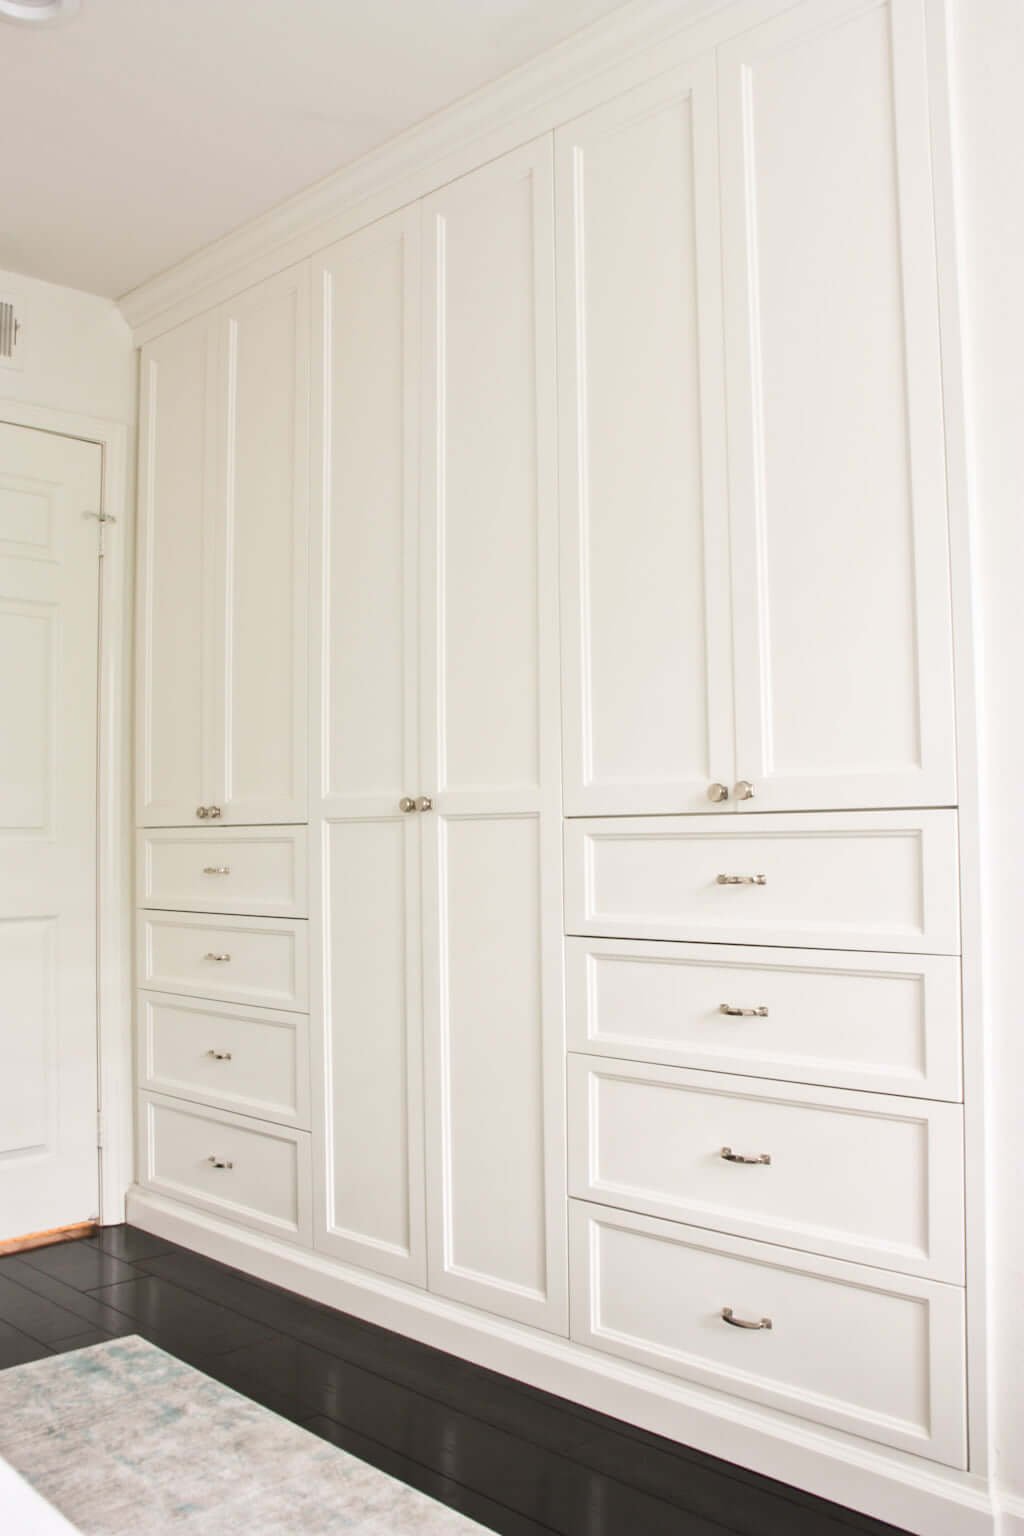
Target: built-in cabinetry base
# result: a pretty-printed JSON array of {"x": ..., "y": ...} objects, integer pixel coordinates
[{"x": 889, "y": 1485}]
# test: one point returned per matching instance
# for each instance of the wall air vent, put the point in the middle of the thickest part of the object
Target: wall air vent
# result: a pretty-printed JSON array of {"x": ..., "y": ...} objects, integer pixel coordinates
[{"x": 10, "y": 333}]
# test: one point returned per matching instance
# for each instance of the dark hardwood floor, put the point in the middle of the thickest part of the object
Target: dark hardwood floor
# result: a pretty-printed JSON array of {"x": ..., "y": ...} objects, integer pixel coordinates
[{"x": 514, "y": 1459}]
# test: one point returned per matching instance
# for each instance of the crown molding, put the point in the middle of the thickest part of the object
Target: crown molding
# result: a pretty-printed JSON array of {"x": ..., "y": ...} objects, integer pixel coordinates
[{"x": 636, "y": 40}]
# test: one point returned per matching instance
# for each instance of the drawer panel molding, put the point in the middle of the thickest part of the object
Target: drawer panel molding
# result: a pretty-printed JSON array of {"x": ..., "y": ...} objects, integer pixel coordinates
[
  {"x": 859, "y": 1176},
  {"x": 261, "y": 961},
  {"x": 250, "y": 871},
  {"x": 875, "y": 1354},
  {"x": 253, "y": 1173},
  {"x": 881, "y": 1023},
  {"x": 860, "y": 880},
  {"x": 252, "y": 1061}
]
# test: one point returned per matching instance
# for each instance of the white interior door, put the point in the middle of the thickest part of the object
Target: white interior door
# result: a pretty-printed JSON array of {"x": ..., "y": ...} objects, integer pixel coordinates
[
  {"x": 490, "y": 745},
  {"x": 49, "y": 584},
  {"x": 370, "y": 1203},
  {"x": 844, "y": 685},
  {"x": 645, "y": 568}
]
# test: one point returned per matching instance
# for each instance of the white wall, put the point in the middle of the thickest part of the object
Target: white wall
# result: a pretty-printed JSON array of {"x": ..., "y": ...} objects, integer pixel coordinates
[
  {"x": 989, "y": 106},
  {"x": 77, "y": 351}
]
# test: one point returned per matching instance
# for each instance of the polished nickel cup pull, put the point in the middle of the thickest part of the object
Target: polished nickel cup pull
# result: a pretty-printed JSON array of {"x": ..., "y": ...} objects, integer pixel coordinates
[
  {"x": 219, "y": 1162},
  {"x": 216, "y": 869},
  {"x": 220, "y": 1055},
  {"x": 742, "y": 880},
  {"x": 211, "y": 956},
  {"x": 729, "y": 1156},
  {"x": 728, "y": 1316},
  {"x": 743, "y": 1013}
]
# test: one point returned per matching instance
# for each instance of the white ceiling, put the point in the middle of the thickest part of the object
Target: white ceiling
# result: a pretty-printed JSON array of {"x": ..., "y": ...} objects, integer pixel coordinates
[{"x": 140, "y": 130}]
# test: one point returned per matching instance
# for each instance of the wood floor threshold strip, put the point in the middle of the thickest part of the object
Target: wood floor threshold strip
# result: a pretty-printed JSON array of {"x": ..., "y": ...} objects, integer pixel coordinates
[{"x": 44, "y": 1239}]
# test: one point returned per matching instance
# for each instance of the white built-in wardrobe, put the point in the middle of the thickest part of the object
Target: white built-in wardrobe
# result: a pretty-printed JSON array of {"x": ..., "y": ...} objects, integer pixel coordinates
[{"x": 548, "y": 871}]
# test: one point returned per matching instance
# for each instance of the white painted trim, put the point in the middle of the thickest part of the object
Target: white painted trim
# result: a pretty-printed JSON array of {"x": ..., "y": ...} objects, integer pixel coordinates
[
  {"x": 890, "y": 1485},
  {"x": 627, "y": 47},
  {"x": 114, "y": 800},
  {"x": 969, "y": 727},
  {"x": 1009, "y": 1514}
]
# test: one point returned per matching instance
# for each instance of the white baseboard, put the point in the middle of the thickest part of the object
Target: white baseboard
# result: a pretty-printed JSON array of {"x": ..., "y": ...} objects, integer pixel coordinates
[
  {"x": 1010, "y": 1516},
  {"x": 888, "y": 1485}
]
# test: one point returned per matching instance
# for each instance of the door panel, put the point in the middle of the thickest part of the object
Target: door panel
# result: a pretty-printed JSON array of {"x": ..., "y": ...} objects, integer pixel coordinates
[
  {"x": 648, "y": 700},
  {"x": 175, "y": 601},
  {"x": 370, "y": 1204},
  {"x": 842, "y": 620},
  {"x": 49, "y": 583},
  {"x": 492, "y": 875},
  {"x": 373, "y": 1196},
  {"x": 260, "y": 688}
]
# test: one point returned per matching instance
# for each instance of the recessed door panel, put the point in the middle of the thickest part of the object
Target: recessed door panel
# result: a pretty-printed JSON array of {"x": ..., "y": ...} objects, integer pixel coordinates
[
  {"x": 373, "y": 1194},
  {"x": 176, "y": 504},
  {"x": 370, "y": 1198},
  {"x": 648, "y": 703},
  {"x": 490, "y": 739},
  {"x": 843, "y": 654},
  {"x": 262, "y": 472}
]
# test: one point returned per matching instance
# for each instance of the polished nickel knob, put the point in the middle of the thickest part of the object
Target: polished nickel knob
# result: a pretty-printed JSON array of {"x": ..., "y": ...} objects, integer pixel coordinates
[
  {"x": 728, "y": 1316},
  {"x": 424, "y": 803},
  {"x": 407, "y": 804},
  {"x": 211, "y": 956},
  {"x": 730, "y": 1156},
  {"x": 220, "y": 1055},
  {"x": 213, "y": 811},
  {"x": 219, "y": 1162},
  {"x": 744, "y": 790},
  {"x": 743, "y": 1013},
  {"x": 742, "y": 880},
  {"x": 717, "y": 793},
  {"x": 202, "y": 812}
]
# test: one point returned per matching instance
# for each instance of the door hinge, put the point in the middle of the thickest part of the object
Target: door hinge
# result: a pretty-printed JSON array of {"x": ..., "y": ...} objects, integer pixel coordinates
[
  {"x": 99, "y": 1129},
  {"x": 103, "y": 518}
]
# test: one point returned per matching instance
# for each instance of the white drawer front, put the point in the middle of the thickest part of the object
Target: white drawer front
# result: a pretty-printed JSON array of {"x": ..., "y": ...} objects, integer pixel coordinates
[
  {"x": 254, "y": 1061},
  {"x": 250, "y": 870},
  {"x": 860, "y": 1176},
  {"x": 876, "y": 880},
  {"x": 877, "y": 1354},
  {"x": 235, "y": 959},
  {"x": 254, "y": 1173},
  {"x": 885, "y": 1023}
]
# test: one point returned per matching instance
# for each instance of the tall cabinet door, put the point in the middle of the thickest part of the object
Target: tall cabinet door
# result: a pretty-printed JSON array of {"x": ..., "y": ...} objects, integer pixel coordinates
[
  {"x": 176, "y": 599},
  {"x": 370, "y": 1201},
  {"x": 490, "y": 731},
  {"x": 259, "y": 699},
  {"x": 842, "y": 626},
  {"x": 648, "y": 688}
]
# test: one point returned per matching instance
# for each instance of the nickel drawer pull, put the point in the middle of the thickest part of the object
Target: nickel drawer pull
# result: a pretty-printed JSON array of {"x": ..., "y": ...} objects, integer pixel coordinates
[
  {"x": 742, "y": 880},
  {"x": 216, "y": 869},
  {"x": 220, "y": 1055},
  {"x": 729, "y": 1156},
  {"x": 742, "y": 1013},
  {"x": 211, "y": 956},
  {"x": 219, "y": 1162},
  {"x": 728, "y": 1316}
]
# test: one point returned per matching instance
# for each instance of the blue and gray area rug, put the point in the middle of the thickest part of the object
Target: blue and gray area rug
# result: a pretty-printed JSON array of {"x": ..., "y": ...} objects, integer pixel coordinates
[{"x": 125, "y": 1440}]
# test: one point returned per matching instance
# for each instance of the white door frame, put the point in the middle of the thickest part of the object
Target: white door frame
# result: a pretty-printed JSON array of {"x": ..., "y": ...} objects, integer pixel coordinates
[{"x": 114, "y": 804}]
